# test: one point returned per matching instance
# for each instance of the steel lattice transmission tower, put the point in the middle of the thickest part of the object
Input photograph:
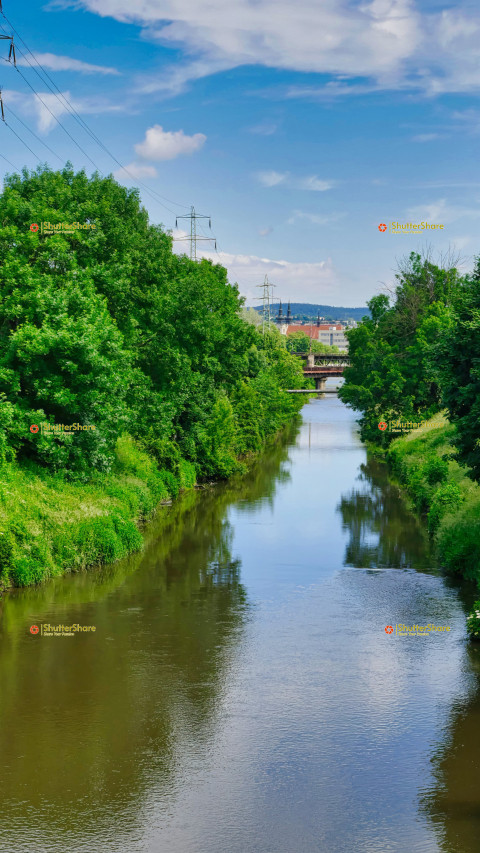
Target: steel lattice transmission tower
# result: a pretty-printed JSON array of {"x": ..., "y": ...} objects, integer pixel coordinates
[
  {"x": 266, "y": 299},
  {"x": 194, "y": 237}
]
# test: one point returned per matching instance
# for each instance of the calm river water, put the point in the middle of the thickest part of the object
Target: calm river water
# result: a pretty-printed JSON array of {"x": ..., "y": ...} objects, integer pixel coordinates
[{"x": 240, "y": 694}]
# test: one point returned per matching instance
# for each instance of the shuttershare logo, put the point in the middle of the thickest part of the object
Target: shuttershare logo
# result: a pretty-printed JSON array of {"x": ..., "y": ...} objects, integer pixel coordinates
[
  {"x": 417, "y": 630},
  {"x": 62, "y": 227},
  {"x": 48, "y": 429},
  {"x": 409, "y": 227},
  {"x": 48, "y": 630},
  {"x": 399, "y": 426}
]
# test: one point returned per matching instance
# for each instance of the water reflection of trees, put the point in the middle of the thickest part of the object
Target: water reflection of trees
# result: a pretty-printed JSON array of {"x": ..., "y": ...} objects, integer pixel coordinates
[
  {"x": 383, "y": 532},
  {"x": 453, "y": 804},
  {"x": 102, "y": 719}
]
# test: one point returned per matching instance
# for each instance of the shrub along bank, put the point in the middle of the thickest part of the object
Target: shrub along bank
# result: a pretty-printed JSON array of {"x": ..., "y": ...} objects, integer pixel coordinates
[
  {"x": 424, "y": 460},
  {"x": 108, "y": 328}
]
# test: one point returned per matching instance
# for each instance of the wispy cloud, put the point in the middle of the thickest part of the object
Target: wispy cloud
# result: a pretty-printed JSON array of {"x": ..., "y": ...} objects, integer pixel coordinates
[
  {"x": 264, "y": 128},
  {"x": 50, "y": 107},
  {"x": 65, "y": 63},
  {"x": 314, "y": 218},
  {"x": 272, "y": 179},
  {"x": 136, "y": 170},
  {"x": 311, "y": 183},
  {"x": 364, "y": 46},
  {"x": 426, "y": 137},
  {"x": 441, "y": 211}
]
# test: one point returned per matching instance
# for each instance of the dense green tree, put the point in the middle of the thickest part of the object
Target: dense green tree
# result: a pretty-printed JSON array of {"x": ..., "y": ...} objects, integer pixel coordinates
[
  {"x": 107, "y": 326},
  {"x": 457, "y": 361},
  {"x": 393, "y": 374}
]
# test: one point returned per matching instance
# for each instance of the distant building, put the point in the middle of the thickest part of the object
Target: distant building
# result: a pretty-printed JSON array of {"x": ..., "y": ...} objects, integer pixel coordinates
[
  {"x": 283, "y": 322},
  {"x": 331, "y": 334}
]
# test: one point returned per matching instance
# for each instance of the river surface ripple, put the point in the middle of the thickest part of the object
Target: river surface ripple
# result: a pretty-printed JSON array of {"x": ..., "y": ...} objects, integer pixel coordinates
[{"x": 240, "y": 693}]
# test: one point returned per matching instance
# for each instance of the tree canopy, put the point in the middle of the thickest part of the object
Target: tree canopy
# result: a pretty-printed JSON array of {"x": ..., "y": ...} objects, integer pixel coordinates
[{"x": 109, "y": 327}]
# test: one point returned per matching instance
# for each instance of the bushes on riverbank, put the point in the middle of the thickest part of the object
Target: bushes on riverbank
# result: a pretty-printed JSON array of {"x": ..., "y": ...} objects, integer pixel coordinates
[{"x": 442, "y": 490}]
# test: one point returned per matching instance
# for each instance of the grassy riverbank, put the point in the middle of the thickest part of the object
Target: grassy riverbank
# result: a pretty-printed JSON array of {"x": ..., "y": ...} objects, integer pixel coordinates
[
  {"x": 441, "y": 490},
  {"x": 49, "y": 526}
]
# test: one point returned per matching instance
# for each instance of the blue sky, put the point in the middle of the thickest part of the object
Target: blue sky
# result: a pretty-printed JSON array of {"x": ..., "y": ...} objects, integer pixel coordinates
[{"x": 297, "y": 127}]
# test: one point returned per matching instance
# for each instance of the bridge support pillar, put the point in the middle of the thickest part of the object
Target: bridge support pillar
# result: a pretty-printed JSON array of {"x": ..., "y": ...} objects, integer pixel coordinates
[{"x": 320, "y": 384}]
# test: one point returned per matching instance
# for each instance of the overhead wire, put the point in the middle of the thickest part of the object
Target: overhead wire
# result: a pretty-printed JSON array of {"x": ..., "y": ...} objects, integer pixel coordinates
[
  {"x": 49, "y": 82},
  {"x": 81, "y": 121},
  {"x": 9, "y": 162},
  {"x": 34, "y": 134},
  {"x": 60, "y": 123},
  {"x": 22, "y": 141}
]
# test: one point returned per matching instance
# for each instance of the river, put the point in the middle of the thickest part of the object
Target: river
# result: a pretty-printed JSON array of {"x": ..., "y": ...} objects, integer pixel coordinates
[{"x": 240, "y": 693}]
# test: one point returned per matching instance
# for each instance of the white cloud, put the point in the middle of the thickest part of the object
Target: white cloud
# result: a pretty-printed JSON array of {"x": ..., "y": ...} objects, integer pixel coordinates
[
  {"x": 66, "y": 63},
  {"x": 394, "y": 44},
  {"x": 348, "y": 38},
  {"x": 310, "y": 282},
  {"x": 314, "y": 218},
  {"x": 426, "y": 137},
  {"x": 441, "y": 212},
  {"x": 264, "y": 232},
  {"x": 136, "y": 170},
  {"x": 51, "y": 107},
  {"x": 161, "y": 144},
  {"x": 312, "y": 182},
  {"x": 265, "y": 128},
  {"x": 272, "y": 179},
  {"x": 297, "y": 281}
]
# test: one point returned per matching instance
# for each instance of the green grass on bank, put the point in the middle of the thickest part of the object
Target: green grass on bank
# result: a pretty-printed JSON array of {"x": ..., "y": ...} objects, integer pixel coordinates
[
  {"x": 442, "y": 491},
  {"x": 49, "y": 526}
]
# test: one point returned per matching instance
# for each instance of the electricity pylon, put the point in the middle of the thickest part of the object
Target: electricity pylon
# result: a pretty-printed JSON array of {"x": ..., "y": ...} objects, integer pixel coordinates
[
  {"x": 266, "y": 299},
  {"x": 192, "y": 216}
]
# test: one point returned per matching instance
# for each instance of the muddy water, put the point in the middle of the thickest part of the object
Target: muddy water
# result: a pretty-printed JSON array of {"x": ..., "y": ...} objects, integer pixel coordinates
[{"x": 239, "y": 692}]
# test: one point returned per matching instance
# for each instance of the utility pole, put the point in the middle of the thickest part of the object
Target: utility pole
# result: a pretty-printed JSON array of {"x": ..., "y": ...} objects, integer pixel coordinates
[
  {"x": 266, "y": 299},
  {"x": 192, "y": 216}
]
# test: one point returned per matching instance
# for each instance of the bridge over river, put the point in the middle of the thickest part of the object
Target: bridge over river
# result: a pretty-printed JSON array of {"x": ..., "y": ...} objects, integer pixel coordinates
[{"x": 322, "y": 366}]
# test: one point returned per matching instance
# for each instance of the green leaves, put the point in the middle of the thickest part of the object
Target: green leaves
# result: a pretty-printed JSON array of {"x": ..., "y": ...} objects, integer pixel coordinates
[
  {"x": 393, "y": 373},
  {"x": 108, "y": 327}
]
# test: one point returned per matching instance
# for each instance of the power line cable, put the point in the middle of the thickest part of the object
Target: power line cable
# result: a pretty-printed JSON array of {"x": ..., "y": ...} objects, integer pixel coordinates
[
  {"x": 23, "y": 141},
  {"x": 60, "y": 123},
  {"x": 81, "y": 121},
  {"x": 9, "y": 162},
  {"x": 34, "y": 134}
]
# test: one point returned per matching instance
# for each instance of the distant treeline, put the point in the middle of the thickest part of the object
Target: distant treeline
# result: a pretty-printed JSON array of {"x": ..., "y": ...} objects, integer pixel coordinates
[
  {"x": 417, "y": 355},
  {"x": 308, "y": 311}
]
